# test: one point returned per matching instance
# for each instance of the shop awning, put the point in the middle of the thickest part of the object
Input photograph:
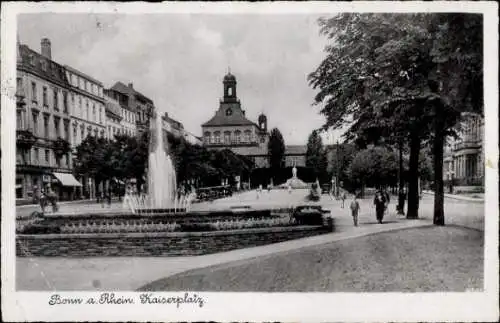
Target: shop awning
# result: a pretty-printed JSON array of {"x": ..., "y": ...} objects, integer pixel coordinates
[{"x": 67, "y": 179}]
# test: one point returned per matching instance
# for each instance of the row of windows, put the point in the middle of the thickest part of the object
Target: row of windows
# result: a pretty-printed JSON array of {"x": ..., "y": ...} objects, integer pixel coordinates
[
  {"x": 128, "y": 116},
  {"x": 85, "y": 131},
  {"x": 84, "y": 84},
  {"x": 228, "y": 137},
  {"x": 58, "y": 98},
  {"x": 43, "y": 157},
  {"x": 60, "y": 126},
  {"x": 87, "y": 109},
  {"x": 112, "y": 131}
]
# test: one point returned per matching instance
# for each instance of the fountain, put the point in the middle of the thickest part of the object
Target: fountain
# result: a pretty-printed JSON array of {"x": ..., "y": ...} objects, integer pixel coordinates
[
  {"x": 294, "y": 182},
  {"x": 162, "y": 194}
]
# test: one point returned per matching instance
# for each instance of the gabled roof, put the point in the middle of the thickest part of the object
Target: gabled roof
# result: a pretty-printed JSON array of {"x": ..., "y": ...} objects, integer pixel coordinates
[
  {"x": 122, "y": 88},
  {"x": 235, "y": 119},
  {"x": 89, "y": 78}
]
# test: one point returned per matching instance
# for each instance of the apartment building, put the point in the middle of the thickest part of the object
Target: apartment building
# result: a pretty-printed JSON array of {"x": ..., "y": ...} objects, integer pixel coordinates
[{"x": 43, "y": 121}]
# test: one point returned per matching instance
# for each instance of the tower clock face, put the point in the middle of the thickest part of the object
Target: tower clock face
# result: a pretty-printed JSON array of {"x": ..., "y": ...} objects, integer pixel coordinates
[{"x": 229, "y": 112}]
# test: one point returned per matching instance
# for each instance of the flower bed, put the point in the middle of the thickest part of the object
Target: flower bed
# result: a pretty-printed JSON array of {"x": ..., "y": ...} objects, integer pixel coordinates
[{"x": 111, "y": 226}]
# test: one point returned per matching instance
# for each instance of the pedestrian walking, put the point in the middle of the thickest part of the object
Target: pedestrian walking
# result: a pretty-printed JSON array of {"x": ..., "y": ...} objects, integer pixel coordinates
[
  {"x": 343, "y": 199},
  {"x": 52, "y": 198},
  {"x": 379, "y": 202},
  {"x": 355, "y": 210}
]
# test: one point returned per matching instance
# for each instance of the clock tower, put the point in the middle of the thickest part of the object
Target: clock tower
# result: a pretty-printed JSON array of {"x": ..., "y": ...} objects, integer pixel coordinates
[{"x": 229, "y": 88}]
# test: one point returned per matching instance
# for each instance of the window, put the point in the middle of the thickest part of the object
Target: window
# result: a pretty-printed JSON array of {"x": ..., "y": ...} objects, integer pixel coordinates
[
  {"x": 47, "y": 157},
  {"x": 44, "y": 97},
  {"x": 33, "y": 92},
  {"x": 237, "y": 136},
  {"x": 206, "y": 137},
  {"x": 19, "y": 119},
  {"x": 65, "y": 102},
  {"x": 247, "y": 136},
  {"x": 44, "y": 65},
  {"x": 35, "y": 123},
  {"x": 88, "y": 109},
  {"x": 66, "y": 130},
  {"x": 102, "y": 133},
  {"x": 217, "y": 137},
  {"x": 36, "y": 155},
  {"x": 56, "y": 100},
  {"x": 82, "y": 130},
  {"x": 227, "y": 137},
  {"x": 93, "y": 113},
  {"x": 46, "y": 125},
  {"x": 74, "y": 132},
  {"x": 58, "y": 161},
  {"x": 86, "y": 85},
  {"x": 19, "y": 85},
  {"x": 56, "y": 126},
  {"x": 100, "y": 114}
]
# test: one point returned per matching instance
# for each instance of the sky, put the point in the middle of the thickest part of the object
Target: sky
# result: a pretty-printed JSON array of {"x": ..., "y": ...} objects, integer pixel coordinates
[{"x": 179, "y": 60}]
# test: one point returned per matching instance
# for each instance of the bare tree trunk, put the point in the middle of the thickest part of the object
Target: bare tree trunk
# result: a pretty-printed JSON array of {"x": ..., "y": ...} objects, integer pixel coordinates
[
  {"x": 401, "y": 197},
  {"x": 438, "y": 152},
  {"x": 413, "y": 193}
]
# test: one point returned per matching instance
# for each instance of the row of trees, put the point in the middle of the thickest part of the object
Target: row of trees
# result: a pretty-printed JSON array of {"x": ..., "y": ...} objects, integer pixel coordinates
[
  {"x": 402, "y": 80},
  {"x": 125, "y": 157}
]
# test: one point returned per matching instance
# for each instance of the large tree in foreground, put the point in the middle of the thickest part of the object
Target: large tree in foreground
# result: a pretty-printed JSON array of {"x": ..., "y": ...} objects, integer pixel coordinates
[
  {"x": 276, "y": 150},
  {"x": 405, "y": 76}
]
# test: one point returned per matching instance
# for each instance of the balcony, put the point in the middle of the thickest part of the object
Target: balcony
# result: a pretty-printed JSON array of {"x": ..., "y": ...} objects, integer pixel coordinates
[{"x": 25, "y": 139}]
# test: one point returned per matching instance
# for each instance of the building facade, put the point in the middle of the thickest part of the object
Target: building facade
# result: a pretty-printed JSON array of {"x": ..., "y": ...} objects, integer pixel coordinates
[
  {"x": 120, "y": 117},
  {"x": 43, "y": 125},
  {"x": 134, "y": 102},
  {"x": 230, "y": 129},
  {"x": 464, "y": 157}
]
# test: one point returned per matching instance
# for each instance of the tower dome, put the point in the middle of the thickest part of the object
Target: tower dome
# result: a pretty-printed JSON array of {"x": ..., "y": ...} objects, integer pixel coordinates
[{"x": 229, "y": 77}]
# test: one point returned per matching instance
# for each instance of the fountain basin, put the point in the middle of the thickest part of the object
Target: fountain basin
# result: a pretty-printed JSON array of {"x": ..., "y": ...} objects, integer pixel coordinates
[{"x": 164, "y": 211}]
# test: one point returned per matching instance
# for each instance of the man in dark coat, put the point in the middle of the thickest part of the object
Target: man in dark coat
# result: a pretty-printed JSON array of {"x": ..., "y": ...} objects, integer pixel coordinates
[{"x": 379, "y": 202}]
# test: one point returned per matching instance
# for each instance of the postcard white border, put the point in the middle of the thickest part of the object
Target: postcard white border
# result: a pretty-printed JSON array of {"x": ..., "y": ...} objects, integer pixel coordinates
[{"x": 29, "y": 306}]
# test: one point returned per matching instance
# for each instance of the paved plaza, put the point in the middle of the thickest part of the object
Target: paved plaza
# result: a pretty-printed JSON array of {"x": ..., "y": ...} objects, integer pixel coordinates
[{"x": 130, "y": 273}]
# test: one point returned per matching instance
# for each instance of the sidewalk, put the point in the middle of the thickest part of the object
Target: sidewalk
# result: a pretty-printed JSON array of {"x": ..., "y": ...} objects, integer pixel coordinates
[{"x": 459, "y": 197}]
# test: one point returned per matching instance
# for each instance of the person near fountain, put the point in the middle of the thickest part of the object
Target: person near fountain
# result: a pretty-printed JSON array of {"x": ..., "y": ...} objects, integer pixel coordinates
[{"x": 343, "y": 199}]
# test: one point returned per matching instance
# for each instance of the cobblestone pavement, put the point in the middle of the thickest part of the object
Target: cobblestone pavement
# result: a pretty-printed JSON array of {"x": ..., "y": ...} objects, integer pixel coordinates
[{"x": 129, "y": 273}]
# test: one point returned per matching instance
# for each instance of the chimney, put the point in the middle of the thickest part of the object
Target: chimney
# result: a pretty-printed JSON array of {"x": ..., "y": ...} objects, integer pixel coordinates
[
  {"x": 46, "y": 48},
  {"x": 130, "y": 85}
]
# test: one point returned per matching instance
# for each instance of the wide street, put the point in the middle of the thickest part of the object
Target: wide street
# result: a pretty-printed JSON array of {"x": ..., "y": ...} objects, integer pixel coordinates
[{"x": 134, "y": 272}]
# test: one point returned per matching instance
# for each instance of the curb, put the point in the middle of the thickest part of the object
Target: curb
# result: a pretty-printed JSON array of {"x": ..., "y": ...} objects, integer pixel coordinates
[{"x": 458, "y": 197}]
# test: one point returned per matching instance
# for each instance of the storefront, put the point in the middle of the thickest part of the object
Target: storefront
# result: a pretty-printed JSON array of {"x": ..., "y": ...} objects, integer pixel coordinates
[{"x": 65, "y": 185}]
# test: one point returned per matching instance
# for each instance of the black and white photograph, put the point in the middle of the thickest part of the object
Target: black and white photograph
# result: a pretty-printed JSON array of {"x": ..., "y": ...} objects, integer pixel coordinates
[{"x": 250, "y": 161}]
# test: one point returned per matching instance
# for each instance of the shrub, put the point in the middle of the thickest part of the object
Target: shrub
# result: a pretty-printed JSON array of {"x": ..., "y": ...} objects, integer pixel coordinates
[{"x": 308, "y": 215}]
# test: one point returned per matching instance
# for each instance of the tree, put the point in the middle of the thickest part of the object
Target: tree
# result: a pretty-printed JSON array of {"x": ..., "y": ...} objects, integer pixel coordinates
[
  {"x": 276, "y": 149},
  {"x": 406, "y": 76},
  {"x": 316, "y": 155},
  {"x": 376, "y": 167}
]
